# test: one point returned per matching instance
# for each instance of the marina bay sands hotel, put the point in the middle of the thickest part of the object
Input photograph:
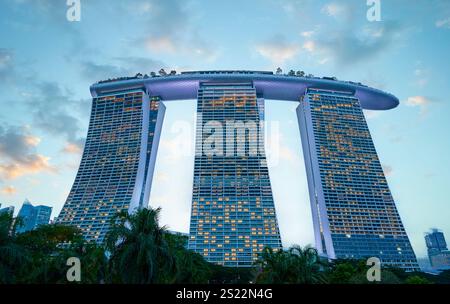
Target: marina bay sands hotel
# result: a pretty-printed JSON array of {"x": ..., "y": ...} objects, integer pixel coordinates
[{"x": 233, "y": 215}]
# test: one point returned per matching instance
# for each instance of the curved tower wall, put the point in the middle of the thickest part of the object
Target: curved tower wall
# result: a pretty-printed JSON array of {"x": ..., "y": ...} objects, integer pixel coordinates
[
  {"x": 118, "y": 161},
  {"x": 354, "y": 213}
]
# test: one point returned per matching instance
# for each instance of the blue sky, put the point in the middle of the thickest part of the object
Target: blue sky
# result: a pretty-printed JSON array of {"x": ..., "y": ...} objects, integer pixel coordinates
[{"x": 47, "y": 65}]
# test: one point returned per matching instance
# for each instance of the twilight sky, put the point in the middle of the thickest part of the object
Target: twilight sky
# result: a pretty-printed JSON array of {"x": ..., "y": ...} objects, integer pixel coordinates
[{"x": 47, "y": 65}]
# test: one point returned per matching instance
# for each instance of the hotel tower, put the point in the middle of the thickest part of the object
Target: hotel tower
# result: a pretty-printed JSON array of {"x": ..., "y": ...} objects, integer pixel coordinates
[{"x": 233, "y": 215}]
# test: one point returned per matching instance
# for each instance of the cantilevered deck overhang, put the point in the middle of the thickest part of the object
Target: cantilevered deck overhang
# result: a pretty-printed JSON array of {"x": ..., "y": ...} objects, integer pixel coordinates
[{"x": 275, "y": 87}]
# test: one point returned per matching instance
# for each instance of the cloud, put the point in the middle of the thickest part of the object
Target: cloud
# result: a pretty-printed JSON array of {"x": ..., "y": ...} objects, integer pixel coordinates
[
  {"x": 202, "y": 48},
  {"x": 15, "y": 142},
  {"x": 421, "y": 76},
  {"x": 343, "y": 11},
  {"x": 48, "y": 16},
  {"x": 94, "y": 71},
  {"x": 54, "y": 110},
  {"x": 193, "y": 46},
  {"x": 443, "y": 23},
  {"x": 307, "y": 34},
  {"x": 50, "y": 107},
  {"x": 170, "y": 29},
  {"x": 177, "y": 147},
  {"x": 278, "y": 151},
  {"x": 334, "y": 9},
  {"x": 5, "y": 58},
  {"x": 32, "y": 164},
  {"x": 277, "y": 50},
  {"x": 348, "y": 47},
  {"x": 370, "y": 114},
  {"x": 309, "y": 45},
  {"x": 72, "y": 148},
  {"x": 289, "y": 155},
  {"x": 44, "y": 6},
  {"x": 295, "y": 7},
  {"x": 161, "y": 44},
  {"x": 9, "y": 190},
  {"x": 18, "y": 154},
  {"x": 418, "y": 101},
  {"x": 119, "y": 66},
  {"x": 162, "y": 177},
  {"x": 6, "y": 64},
  {"x": 388, "y": 170},
  {"x": 170, "y": 16},
  {"x": 323, "y": 61}
]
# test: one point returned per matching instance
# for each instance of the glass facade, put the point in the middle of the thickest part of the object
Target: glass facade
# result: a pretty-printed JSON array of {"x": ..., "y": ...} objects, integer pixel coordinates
[
  {"x": 354, "y": 213},
  {"x": 233, "y": 215},
  {"x": 33, "y": 216},
  {"x": 9, "y": 210},
  {"x": 118, "y": 161},
  {"x": 435, "y": 240},
  {"x": 438, "y": 253}
]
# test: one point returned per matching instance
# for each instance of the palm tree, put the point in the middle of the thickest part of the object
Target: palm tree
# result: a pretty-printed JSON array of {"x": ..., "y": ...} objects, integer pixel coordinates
[
  {"x": 139, "y": 253},
  {"x": 191, "y": 268},
  {"x": 307, "y": 261},
  {"x": 294, "y": 266},
  {"x": 274, "y": 267}
]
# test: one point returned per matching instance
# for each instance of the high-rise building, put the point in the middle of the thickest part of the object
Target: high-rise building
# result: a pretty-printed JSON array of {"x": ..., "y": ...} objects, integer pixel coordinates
[
  {"x": 354, "y": 213},
  {"x": 438, "y": 253},
  {"x": 33, "y": 216},
  {"x": 435, "y": 241},
  {"x": 9, "y": 209},
  {"x": 233, "y": 214},
  {"x": 116, "y": 169}
]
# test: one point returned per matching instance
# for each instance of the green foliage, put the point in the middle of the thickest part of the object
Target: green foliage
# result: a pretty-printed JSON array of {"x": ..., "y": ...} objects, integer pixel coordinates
[
  {"x": 151, "y": 254},
  {"x": 137, "y": 244},
  {"x": 11, "y": 253},
  {"x": 48, "y": 248},
  {"x": 40, "y": 256},
  {"x": 190, "y": 267},
  {"x": 137, "y": 250},
  {"x": 355, "y": 272},
  {"x": 417, "y": 280},
  {"x": 387, "y": 277},
  {"x": 342, "y": 273},
  {"x": 293, "y": 266}
]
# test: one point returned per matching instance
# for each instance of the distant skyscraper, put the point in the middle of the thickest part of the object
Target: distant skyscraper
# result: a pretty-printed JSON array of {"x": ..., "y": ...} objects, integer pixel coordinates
[
  {"x": 354, "y": 214},
  {"x": 7, "y": 209},
  {"x": 435, "y": 241},
  {"x": 233, "y": 214},
  {"x": 438, "y": 253},
  {"x": 32, "y": 217}
]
